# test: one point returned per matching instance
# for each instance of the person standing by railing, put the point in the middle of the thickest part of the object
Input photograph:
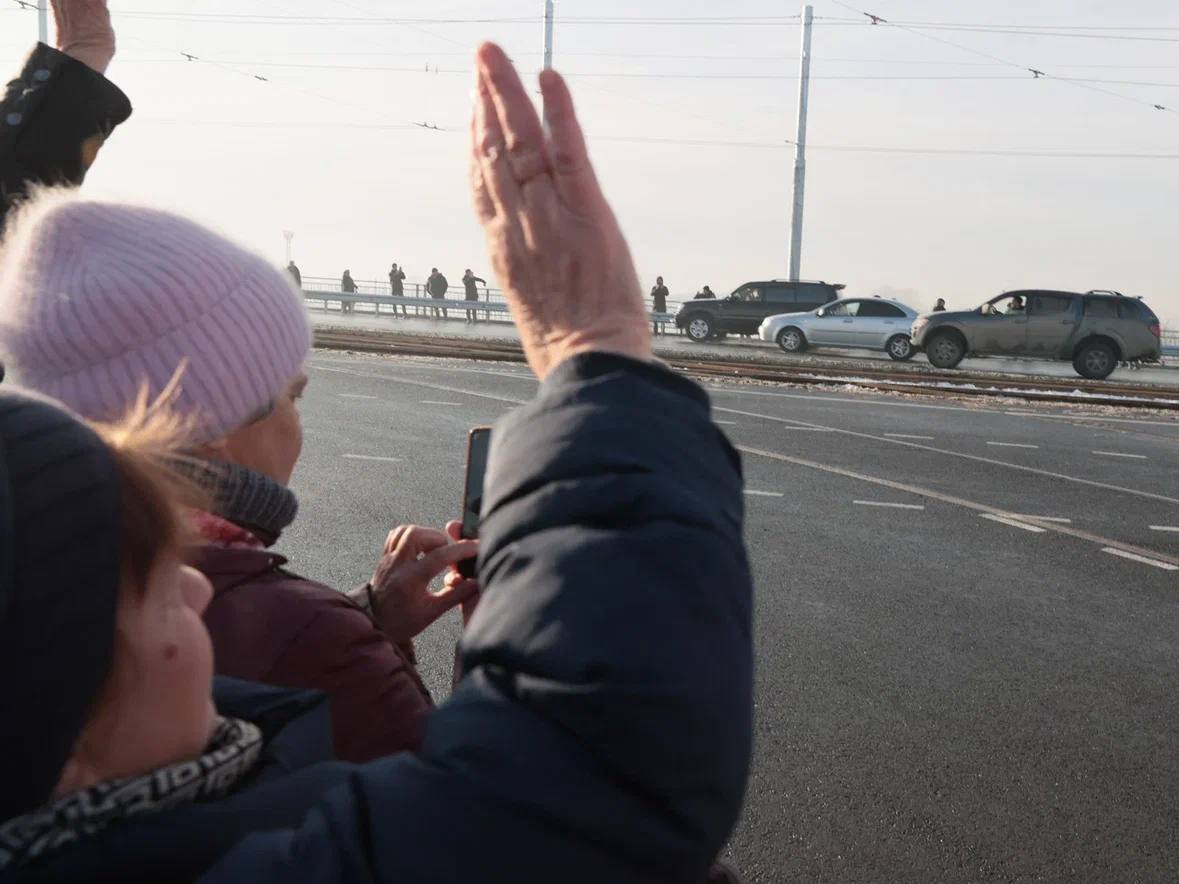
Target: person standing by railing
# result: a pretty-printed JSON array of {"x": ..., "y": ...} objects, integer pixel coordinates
[
  {"x": 658, "y": 301},
  {"x": 470, "y": 280},
  {"x": 348, "y": 287},
  {"x": 296, "y": 276},
  {"x": 437, "y": 287},
  {"x": 397, "y": 288}
]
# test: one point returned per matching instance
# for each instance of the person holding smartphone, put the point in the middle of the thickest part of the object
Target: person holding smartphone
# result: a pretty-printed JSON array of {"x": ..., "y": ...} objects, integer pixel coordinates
[{"x": 585, "y": 742}]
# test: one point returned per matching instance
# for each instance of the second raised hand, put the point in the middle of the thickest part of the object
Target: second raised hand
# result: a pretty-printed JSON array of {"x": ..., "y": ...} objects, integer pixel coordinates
[{"x": 554, "y": 242}]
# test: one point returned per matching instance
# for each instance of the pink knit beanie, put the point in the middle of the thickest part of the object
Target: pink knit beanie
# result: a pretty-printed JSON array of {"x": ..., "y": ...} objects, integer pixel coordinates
[{"x": 98, "y": 300}]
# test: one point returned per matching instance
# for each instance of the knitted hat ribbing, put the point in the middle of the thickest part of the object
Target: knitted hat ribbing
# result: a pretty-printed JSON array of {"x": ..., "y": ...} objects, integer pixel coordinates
[
  {"x": 98, "y": 300},
  {"x": 60, "y": 515}
]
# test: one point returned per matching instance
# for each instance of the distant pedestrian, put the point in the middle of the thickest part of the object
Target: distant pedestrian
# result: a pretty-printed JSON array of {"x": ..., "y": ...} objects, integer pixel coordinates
[
  {"x": 470, "y": 281},
  {"x": 704, "y": 295},
  {"x": 658, "y": 301},
  {"x": 295, "y": 274},
  {"x": 437, "y": 287},
  {"x": 940, "y": 306},
  {"x": 348, "y": 287},
  {"x": 397, "y": 288},
  {"x": 659, "y": 295}
]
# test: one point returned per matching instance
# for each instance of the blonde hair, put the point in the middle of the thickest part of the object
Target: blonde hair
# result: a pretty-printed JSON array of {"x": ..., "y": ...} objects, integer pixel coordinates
[{"x": 147, "y": 446}]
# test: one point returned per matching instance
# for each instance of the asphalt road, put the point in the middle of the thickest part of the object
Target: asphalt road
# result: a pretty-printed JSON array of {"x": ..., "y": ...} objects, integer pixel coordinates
[{"x": 944, "y": 693}]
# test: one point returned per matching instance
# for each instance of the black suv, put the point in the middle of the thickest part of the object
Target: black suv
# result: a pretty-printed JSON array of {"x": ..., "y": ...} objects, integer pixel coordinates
[{"x": 743, "y": 311}]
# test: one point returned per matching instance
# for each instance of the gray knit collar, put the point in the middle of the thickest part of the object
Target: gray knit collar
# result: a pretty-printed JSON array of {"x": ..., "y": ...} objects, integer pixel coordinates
[{"x": 245, "y": 497}]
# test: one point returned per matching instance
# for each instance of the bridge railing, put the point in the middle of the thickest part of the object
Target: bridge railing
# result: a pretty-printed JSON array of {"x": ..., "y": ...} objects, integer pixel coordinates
[{"x": 429, "y": 307}]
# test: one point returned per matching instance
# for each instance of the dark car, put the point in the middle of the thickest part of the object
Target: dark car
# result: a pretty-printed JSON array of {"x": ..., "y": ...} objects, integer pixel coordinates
[
  {"x": 742, "y": 312},
  {"x": 1094, "y": 331}
]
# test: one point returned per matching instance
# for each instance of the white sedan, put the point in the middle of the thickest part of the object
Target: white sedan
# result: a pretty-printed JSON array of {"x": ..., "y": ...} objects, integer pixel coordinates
[{"x": 859, "y": 323}]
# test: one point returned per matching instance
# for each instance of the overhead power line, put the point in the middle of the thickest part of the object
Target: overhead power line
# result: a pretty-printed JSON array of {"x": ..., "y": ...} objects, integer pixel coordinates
[
  {"x": 1036, "y": 72},
  {"x": 655, "y": 75}
]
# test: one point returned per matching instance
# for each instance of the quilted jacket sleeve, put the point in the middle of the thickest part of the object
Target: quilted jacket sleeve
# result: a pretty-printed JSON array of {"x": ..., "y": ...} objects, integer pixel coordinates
[{"x": 53, "y": 118}]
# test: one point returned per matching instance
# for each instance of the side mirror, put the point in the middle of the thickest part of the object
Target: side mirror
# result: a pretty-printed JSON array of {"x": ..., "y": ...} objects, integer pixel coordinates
[{"x": 822, "y": 311}]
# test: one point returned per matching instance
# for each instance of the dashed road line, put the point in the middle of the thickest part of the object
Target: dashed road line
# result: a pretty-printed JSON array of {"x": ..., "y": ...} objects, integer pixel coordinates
[
  {"x": 931, "y": 494},
  {"x": 725, "y": 423},
  {"x": 1172, "y": 528},
  {"x": 355, "y": 396},
  {"x": 1122, "y": 454},
  {"x": 977, "y": 458},
  {"x": 432, "y": 402},
  {"x": 908, "y": 436},
  {"x": 1011, "y": 445},
  {"x": 895, "y": 506},
  {"x": 1003, "y": 520},
  {"x": 753, "y": 493},
  {"x": 372, "y": 457},
  {"x": 1134, "y": 557},
  {"x": 1054, "y": 519}
]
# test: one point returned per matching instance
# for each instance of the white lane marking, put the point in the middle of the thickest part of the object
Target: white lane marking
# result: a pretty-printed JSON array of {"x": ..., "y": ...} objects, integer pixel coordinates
[
  {"x": 908, "y": 436},
  {"x": 1150, "y": 495},
  {"x": 895, "y": 506},
  {"x": 1011, "y": 445},
  {"x": 1134, "y": 557},
  {"x": 432, "y": 402},
  {"x": 753, "y": 493},
  {"x": 1120, "y": 454},
  {"x": 930, "y": 494},
  {"x": 1003, "y": 520},
  {"x": 372, "y": 457},
  {"x": 355, "y": 396},
  {"x": 810, "y": 429},
  {"x": 726, "y": 423},
  {"x": 1055, "y": 519},
  {"x": 406, "y": 381},
  {"x": 1093, "y": 417},
  {"x": 1174, "y": 528}
]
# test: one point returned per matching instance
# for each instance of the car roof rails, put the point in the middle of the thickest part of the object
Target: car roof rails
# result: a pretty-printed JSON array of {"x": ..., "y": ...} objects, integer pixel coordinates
[
  {"x": 1105, "y": 292},
  {"x": 835, "y": 285}
]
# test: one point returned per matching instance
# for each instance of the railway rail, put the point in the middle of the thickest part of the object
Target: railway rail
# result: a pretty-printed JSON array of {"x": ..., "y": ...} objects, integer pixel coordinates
[{"x": 913, "y": 381}]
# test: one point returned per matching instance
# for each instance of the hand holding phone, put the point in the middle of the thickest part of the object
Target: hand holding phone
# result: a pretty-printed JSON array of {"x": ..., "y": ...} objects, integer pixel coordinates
[{"x": 478, "y": 449}]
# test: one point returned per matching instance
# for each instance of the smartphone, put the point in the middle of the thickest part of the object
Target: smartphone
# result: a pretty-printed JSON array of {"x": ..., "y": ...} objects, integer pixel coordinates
[{"x": 478, "y": 448}]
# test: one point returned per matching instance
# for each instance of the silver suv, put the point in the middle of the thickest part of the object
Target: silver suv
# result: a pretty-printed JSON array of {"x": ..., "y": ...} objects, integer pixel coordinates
[{"x": 1094, "y": 331}]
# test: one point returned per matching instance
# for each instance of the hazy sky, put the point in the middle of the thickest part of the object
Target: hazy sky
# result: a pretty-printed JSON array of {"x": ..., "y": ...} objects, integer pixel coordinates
[{"x": 328, "y": 150}]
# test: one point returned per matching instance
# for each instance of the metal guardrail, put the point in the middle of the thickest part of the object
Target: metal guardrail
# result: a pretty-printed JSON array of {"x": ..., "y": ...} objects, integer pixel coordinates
[
  {"x": 426, "y": 307},
  {"x": 487, "y": 294}
]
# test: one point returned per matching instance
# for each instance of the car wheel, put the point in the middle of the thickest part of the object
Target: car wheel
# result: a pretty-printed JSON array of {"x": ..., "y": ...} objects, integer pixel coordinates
[
  {"x": 945, "y": 350},
  {"x": 1096, "y": 361},
  {"x": 699, "y": 329},
  {"x": 792, "y": 340},
  {"x": 900, "y": 348}
]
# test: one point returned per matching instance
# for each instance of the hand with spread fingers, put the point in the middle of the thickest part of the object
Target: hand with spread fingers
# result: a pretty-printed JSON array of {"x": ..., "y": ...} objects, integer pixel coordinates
[
  {"x": 84, "y": 31},
  {"x": 402, "y": 602},
  {"x": 555, "y": 244}
]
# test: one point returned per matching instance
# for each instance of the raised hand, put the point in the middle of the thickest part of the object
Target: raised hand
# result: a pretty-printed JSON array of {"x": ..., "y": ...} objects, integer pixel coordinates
[
  {"x": 84, "y": 31},
  {"x": 413, "y": 557},
  {"x": 555, "y": 244}
]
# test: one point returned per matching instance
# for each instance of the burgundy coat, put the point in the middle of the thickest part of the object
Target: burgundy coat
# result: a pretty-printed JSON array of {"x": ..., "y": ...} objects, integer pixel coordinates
[{"x": 271, "y": 626}]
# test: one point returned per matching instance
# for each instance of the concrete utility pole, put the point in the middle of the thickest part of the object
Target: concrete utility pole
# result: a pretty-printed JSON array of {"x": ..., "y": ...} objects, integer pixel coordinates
[
  {"x": 43, "y": 20},
  {"x": 548, "y": 35},
  {"x": 804, "y": 84},
  {"x": 288, "y": 235}
]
